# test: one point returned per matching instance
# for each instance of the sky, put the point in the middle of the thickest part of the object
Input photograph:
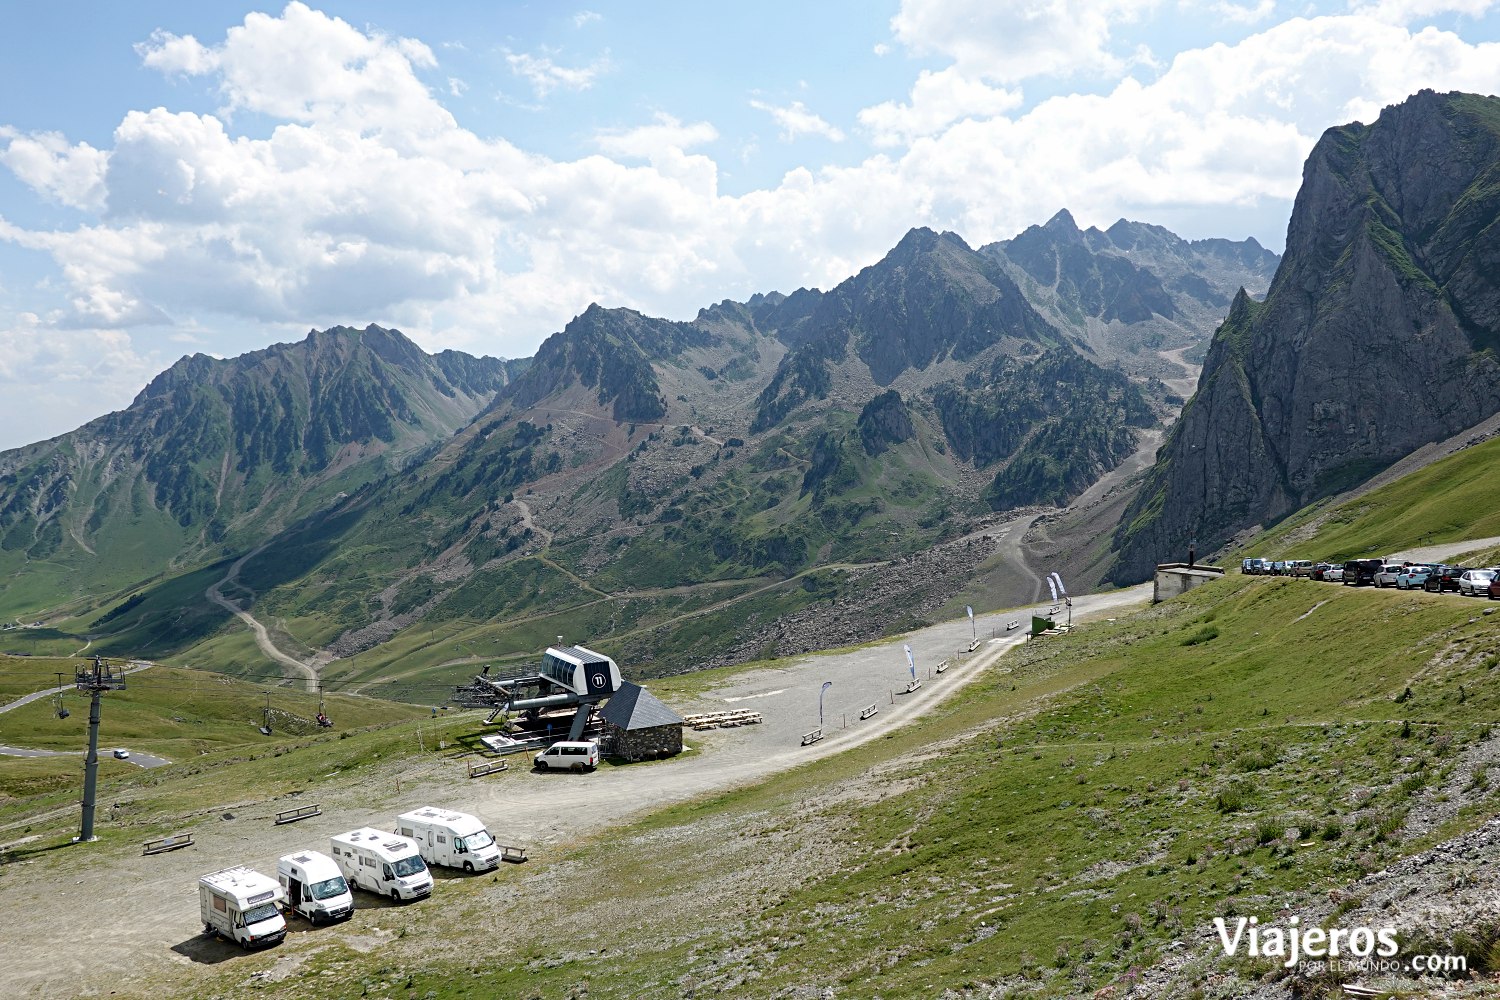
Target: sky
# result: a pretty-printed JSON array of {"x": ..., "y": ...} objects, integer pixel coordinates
[{"x": 182, "y": 177}]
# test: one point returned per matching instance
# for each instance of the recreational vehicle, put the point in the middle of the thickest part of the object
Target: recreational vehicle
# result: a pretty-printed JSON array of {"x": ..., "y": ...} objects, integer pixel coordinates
[
  {"x": 314, "y": 887},
  {"x": 239, "y": 904},
  {"x": 454, "y": 839},
  {"x": 380, "y": 862}
]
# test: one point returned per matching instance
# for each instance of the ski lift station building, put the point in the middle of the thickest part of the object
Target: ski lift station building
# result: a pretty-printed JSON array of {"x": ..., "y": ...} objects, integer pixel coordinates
[{"x": 638, "y": 726}]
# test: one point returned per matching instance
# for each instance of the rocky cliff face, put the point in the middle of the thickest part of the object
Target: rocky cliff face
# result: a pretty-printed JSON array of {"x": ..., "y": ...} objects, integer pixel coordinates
[{"x": 1377, "y": 335}]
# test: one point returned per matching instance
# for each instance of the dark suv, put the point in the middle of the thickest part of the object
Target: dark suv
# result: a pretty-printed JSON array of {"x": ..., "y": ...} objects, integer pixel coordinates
[{"x": 1358, "y": 572}]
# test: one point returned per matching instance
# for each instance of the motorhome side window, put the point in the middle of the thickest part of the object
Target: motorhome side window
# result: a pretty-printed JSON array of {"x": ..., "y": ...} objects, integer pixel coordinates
[
  {"x": 367, "y": 862},
  {"x": 442, "y": 839},
  {"x": 406, "y": 832},
  {"x": 219, "y": 904}
]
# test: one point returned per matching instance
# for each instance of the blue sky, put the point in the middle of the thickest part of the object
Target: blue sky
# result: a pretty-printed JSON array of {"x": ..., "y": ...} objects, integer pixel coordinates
[{"x": 215, "y": 177}]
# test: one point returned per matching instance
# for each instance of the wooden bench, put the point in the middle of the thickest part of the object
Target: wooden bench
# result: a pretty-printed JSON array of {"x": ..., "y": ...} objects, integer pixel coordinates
[
  {"x": 723, "y": 720},
  {"x": 866, "y": 713},
  {"x": 515, "y": 855},
  {"x": 1012, "y": 626},
  {"x": 301, "y": 812},
  {"x": 175, "y": 842},
  {"x": 484, "y": 767},
  {"x": 911, "y": 687},
  {"x": 942, "y": 666},
  {"x": 809, "y": 739}
]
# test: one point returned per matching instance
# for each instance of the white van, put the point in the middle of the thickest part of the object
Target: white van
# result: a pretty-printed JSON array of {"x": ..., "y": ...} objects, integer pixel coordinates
[
  {"x": 314, "y": 887},
  {"x": 385, "y": 863},
  {"x": 455, "y": 839},
  {"x": 567, "y": 756},
  {"x": 239, "y": 904}
]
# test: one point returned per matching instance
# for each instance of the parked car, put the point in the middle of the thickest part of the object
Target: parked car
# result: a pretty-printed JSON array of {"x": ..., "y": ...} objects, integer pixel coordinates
[
  {"x": 1444, "y": 577},
  {"x": 1476, "y": 582},
  {"x": 1333, "y": 574},
  {"x": 1358, "y": 572},
  {"x": 1413, "y": 576},
  {"x": 1300, "y": 567},
  {"x": 1495, "y": 588},
  {"x": 572, "y": 756},
  {"x": 1386, "y": 575}
]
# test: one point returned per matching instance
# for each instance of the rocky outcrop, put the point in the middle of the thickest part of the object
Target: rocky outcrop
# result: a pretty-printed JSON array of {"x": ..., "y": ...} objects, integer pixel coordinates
[
  {"x": 1377, "y": 335},
  {"x": 884, "y": 421}
]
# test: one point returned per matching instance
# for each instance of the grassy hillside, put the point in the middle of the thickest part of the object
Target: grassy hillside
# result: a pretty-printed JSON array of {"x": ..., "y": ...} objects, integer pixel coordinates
[
  {"x": 1054, "y": 828},
  {"x": 1449, "y": 500},
  {"x": 182, "y": 715}
]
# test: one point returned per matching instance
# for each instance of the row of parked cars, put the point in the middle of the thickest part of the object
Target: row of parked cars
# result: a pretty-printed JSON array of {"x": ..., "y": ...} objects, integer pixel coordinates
[{"x": 1435, "y": 577}]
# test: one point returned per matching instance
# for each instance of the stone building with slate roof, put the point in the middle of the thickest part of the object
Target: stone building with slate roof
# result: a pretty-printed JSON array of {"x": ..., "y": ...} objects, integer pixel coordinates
[{"x": 637, "y": 726}]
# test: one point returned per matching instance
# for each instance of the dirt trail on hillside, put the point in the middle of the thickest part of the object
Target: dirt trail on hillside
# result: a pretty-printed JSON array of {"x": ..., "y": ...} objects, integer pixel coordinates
[
  {"x": 215, "y": 593},
  {"x": 150, "y": 904}
]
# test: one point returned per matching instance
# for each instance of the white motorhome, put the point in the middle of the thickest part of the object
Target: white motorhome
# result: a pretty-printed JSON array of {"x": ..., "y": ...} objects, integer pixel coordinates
[
  {"x": 386, "y": 863},
  {"x": 314, "y": 886},
  {"x": 455, "y": 839},
  {"x": 239, "y": 904}
]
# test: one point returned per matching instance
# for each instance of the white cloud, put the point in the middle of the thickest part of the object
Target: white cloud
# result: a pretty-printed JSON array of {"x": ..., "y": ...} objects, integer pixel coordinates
[
  {"x": 52, "y": 380},
  {"x": 70, "y": 175},
  {"x": 1010, "y": 42},
  {"x": 1409, "y": 11},
  {"x": 545, "y": 76},
  {"x": 368, "y": 202},
  {"x": 586, "y": 17},
  {"x": 795, "y": 121},
  {"x": 646, "y": 142},
  {"x": 937, "y": 101},
  {"x": 308, "y": 67},
  {"x": 1240, "y": 13}
]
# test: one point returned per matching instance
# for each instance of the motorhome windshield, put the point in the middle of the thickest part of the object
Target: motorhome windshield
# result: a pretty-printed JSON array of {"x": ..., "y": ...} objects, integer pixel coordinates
[
  {"x": 409, "y": 866},
  {"x": 255, "y": 915},
  {"x": 329, "y": 888},
  {"x": 478, "y": 841}
]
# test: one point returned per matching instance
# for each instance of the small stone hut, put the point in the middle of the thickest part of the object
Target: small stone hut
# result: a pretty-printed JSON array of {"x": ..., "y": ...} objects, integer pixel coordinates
[{"x": 637, "y": 726}]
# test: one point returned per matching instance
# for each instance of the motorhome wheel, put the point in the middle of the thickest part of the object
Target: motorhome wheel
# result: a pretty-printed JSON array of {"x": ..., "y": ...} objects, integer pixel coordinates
[
  {"x": 395, "y": 895},
  {"x": 468, "y": 866}
]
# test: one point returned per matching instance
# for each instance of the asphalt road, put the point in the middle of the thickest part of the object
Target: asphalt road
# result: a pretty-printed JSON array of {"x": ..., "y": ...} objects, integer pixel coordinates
[{"x": 136, "y": 757}]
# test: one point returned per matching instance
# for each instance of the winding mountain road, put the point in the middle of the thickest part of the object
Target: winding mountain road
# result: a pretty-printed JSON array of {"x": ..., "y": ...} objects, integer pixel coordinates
[{"x": 215, "y": 593}]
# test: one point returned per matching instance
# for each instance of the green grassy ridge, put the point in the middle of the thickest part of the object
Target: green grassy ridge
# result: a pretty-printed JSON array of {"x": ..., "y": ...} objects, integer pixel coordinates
[
  {"x": 178, "y": 714},
  {"x": 1448, "y": 501},
  {"x": 1063, "y": 819},
  {"x": 259, "y": 778}
]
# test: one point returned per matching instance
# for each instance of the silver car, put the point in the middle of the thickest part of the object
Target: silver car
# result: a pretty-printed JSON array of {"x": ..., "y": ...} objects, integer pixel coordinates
[{"x": 1476, "y": 582}]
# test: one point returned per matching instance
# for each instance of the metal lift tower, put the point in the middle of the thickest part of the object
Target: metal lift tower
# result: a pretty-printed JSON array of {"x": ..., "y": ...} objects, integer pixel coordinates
[
  {"x": 569, "y": 675},
  {"x": 100, "y": 679}
]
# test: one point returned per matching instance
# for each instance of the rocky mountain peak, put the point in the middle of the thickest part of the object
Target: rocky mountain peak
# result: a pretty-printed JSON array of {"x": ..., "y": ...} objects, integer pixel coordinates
[{"x": 1062, "y": 224}]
